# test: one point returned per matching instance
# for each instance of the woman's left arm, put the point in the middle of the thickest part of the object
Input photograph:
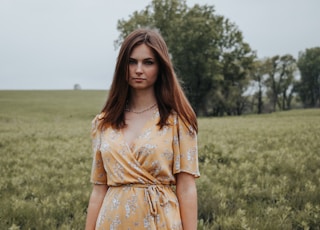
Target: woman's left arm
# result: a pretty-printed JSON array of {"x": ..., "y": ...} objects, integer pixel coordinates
[{"x": 187, "y": 197}]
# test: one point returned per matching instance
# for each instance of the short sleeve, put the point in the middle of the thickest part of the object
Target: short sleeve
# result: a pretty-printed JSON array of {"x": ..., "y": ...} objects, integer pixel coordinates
[
  {"x": 185, "y": 148},
  {"x": 98, "y": 173}
]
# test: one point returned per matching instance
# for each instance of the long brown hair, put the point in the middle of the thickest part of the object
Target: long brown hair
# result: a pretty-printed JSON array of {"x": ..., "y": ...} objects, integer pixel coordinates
[{"x": 169, "y": 94}]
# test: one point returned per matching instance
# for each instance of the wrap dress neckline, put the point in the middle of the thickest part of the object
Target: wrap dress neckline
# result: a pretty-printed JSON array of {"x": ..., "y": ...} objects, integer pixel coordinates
[{"x": 134, "y": 144}]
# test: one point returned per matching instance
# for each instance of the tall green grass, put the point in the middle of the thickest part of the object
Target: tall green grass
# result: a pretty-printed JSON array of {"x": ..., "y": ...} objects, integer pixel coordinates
[
  {"x": 261, "y": 172},
  {"x": 45, "y": 157},
  {"x": 257, "y": 172}
]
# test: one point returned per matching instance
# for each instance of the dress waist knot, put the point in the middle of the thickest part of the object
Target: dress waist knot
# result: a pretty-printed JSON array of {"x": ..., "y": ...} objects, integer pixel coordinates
[{"x": 154, "y": 193}]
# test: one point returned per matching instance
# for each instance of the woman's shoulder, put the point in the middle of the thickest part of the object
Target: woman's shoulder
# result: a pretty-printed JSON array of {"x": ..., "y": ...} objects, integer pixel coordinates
[
  {"x": 176, "y": 120},
  {"x": 98, "y": 117},
  {"x": 101, "y": 115},
  {"x": 97, "y": 120},
  {"x": 173, "y": 118},
  {"x": 181, "y": 123}
]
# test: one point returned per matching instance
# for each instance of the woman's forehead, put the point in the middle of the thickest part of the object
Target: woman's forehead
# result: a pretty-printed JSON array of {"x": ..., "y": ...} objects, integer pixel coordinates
[{"x": 142, "y": 51}]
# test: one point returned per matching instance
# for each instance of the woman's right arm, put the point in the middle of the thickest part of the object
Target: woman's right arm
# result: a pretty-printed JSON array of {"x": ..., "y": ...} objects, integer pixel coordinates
[{"x": 95, "y": 202}]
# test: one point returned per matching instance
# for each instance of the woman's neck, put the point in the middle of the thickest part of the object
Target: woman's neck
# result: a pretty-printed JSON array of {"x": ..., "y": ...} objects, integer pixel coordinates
[{"x": 141, "y": 100}]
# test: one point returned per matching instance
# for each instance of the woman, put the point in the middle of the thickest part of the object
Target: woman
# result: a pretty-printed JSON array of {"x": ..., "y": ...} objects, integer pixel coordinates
[{"x": 145, "y": 143}]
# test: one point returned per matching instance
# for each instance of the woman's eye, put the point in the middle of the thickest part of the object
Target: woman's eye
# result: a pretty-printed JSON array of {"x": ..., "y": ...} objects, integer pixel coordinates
[
  {"x": 149, "y": 62},
  {"x": 132, "y": 61}
]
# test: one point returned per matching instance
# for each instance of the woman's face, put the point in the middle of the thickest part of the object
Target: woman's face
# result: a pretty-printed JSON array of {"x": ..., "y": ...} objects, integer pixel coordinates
[{"x": 143, "y": 68}]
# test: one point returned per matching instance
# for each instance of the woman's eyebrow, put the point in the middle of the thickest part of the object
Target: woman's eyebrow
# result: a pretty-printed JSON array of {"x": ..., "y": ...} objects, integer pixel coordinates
[{"x": 148, "y": 58}]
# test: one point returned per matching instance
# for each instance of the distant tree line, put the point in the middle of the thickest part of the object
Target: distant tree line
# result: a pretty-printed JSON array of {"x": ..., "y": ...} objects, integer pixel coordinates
[{"x": 220, "y": 72}]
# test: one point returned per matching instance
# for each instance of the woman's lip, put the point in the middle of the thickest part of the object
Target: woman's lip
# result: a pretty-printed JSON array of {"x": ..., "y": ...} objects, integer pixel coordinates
[{"x": 138, "y": 79}]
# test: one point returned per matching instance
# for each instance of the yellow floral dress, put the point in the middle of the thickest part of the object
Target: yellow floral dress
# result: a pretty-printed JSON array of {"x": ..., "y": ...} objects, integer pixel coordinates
[{"x": 141, "y": 179}]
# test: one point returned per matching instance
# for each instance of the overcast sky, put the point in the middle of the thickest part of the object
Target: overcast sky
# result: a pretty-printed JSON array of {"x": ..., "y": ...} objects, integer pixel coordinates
[{"x": 55, "y": 44}]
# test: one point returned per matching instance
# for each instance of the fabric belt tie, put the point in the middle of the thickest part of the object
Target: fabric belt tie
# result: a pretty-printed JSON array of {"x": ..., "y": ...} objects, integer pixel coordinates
[{"x": 154, "y": 193}]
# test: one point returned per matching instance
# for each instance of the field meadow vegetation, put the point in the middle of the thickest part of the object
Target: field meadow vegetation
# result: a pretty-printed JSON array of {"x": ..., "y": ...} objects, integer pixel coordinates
[{"x": 257, "y": 171}]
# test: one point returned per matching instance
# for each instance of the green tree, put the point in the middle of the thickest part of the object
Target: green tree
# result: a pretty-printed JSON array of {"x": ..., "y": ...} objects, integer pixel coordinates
[
  {"x": 236, "y": 60},
  {"x": 309, "y": 87},
  {"x": 196, "y": 55},
  {"x": 259, "y": 76},
  {"x": 164, "y": 15},
  {"x": 207, "y": 50},
  {"x": 281, "y": 71}
]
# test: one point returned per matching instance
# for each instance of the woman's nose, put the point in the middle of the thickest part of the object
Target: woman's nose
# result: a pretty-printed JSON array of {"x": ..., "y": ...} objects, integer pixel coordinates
[{"x": 139, "y": 68}]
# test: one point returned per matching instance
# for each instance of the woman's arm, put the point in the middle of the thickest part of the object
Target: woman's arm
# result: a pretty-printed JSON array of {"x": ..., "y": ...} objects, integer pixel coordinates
[
  {"x": 187, "y": 196},
  {"x": 95, "y": 202}
]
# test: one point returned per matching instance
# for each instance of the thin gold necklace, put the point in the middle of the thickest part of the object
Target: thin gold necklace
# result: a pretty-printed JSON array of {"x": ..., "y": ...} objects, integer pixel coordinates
[{"x": 142, "y": 111}]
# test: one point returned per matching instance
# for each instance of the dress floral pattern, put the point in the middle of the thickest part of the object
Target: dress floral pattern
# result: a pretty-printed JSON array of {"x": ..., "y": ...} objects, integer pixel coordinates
[{"x": 141, "y": 177}]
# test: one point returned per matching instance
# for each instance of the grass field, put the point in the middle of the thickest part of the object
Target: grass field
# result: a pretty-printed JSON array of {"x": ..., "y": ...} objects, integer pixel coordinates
[{"x": 257, "y": 172}]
